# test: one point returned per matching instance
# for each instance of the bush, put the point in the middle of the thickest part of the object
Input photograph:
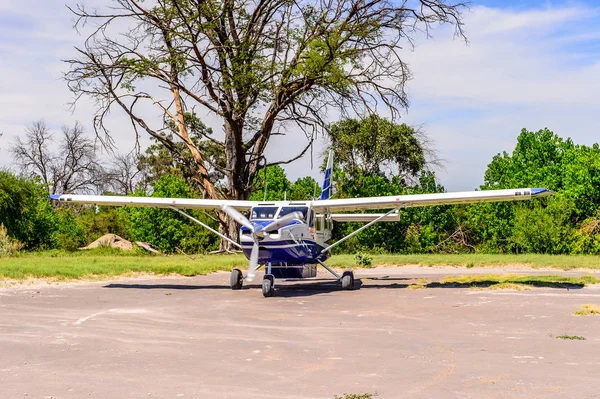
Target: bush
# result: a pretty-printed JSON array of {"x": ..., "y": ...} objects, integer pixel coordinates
[
  {"x": 363, "y": 259},
  {"x": 8, "y": 245}
]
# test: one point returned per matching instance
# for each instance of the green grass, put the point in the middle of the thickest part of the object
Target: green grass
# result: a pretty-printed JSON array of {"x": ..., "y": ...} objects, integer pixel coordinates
[
  {"x": 588, "y": 309},
  {"x": 103, "y": 263},
  {"x": 562, "y": 262},
  {"x": 571, "y": 337},
  {"x": 512, "y": 280},
  {"x": 108, "y": 262}
]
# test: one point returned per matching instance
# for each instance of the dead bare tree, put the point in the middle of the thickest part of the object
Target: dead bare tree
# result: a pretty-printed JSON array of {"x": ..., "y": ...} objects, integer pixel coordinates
[
  {"x": 71, "y": 167},
  {"x": 261, "y": 66},
  {"x": 123, "y": 176}
]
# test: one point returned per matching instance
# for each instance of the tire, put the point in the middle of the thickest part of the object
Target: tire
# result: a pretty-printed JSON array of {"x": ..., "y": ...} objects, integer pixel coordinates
[
  {"x": 236, "y": 279},
  {"x": 347, "y": 281},
  {"x": 268, "y": 286}
]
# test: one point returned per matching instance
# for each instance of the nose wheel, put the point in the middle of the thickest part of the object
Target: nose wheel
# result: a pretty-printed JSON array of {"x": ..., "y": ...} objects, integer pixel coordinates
[{"x": 268, "y": 285}]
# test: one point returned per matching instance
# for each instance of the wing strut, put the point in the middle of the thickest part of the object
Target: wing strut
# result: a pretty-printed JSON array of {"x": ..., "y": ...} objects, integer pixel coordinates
[
  {"x": 206, "y": 226},
  {"x": 362, "y": 228}
]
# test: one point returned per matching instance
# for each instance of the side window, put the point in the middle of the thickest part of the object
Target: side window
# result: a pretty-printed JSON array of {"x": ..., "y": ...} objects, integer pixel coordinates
[
  {"x": 311, "y": 219},
  {"x": 318, "y": 224}
]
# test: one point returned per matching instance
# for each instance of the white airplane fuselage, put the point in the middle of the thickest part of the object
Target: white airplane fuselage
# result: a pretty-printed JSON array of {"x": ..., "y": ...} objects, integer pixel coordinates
[{"x": 291, "y": 249}]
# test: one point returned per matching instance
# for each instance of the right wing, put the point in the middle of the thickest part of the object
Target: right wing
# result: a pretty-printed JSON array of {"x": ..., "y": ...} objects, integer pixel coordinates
[{"x": 154, "y": 202}]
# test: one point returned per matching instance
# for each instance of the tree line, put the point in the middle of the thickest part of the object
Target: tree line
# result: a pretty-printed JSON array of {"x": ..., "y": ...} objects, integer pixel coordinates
[{"x": 374, "y": 157}]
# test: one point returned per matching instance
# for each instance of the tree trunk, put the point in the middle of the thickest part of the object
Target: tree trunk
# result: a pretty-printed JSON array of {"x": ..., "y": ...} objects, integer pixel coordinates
[
  {"x": 236, "y": 171},
  {"x": 231, "y": 229}
]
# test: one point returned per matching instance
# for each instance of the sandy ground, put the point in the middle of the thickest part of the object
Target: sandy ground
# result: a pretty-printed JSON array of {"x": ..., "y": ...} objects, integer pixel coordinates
[{"x": 193, "y": 337}]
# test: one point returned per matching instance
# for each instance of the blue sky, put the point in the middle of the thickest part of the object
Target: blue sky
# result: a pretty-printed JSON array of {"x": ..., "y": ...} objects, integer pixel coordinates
[{"x": 528, "y": 64}]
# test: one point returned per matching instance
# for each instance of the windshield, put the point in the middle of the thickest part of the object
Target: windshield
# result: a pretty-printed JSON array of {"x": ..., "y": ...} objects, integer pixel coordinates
[
  {"x": 289, "y": 209},
  {"x": 263, "y": 212}
]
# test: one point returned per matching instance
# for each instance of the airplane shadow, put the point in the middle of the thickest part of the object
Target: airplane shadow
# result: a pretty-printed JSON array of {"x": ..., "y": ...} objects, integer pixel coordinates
[
  {"x": 293, "y": 289},
  {"x": 168, "y": 286}
]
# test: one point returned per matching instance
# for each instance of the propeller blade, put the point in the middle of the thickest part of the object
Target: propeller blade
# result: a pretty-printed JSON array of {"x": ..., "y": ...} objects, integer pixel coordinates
[
  {"x": 253, "y": 262},
  {"x": 282, "y": 221},
  {"x": 238, "y": 217}
]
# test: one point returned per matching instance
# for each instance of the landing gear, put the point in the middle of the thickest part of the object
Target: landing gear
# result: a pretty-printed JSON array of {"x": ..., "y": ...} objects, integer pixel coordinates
[
  {"x": 268, "y": 285},
  {"x": 347, "y": 280},
  {"x": 236, "y": 279}
]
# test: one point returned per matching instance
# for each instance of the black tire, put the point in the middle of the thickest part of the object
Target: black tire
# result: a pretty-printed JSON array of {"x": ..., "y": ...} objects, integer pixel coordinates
[
  {"x": 268, "y": 286},
  {"x": 236, "y": 279},
  {"x": 347, "y": 281}
]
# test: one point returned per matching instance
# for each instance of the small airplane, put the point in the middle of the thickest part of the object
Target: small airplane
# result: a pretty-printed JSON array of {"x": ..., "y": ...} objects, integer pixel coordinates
[{"x": 291, "y": 238}]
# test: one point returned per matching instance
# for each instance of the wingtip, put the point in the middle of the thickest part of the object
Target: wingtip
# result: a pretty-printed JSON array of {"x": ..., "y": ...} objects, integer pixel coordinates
[{"x": 541, "y": 192}]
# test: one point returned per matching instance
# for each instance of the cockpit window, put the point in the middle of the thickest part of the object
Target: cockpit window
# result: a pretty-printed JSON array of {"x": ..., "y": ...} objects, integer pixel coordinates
[
  {"x": 289, "y": 209},
  {"x": 263, "y": 212}
]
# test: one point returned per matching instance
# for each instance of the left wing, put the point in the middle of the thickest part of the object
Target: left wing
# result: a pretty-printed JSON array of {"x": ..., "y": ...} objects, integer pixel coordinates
[
  {"x": 406, "y": 201},
  {"x": 180, "y": 203}
]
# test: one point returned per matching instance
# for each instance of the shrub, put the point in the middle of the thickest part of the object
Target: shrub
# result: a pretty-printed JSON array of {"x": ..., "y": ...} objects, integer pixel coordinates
[
  {"x": 8, "y": 245},
  {"x": 363, "y": 259}
]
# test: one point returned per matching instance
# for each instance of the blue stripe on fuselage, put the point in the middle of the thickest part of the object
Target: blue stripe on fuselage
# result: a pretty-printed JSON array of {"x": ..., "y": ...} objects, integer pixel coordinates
[{"x": 285, "y": 251}]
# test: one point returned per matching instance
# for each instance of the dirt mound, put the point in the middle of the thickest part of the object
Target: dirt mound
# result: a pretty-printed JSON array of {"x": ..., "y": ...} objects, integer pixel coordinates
[{"x": 111, "y": 240}]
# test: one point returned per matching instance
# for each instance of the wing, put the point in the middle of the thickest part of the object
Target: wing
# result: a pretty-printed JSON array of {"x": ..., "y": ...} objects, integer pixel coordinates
[
  {"x": 181, "y": 203},
  {"x": 406, "y": 201},
  {"x": 364, "y": 217}
]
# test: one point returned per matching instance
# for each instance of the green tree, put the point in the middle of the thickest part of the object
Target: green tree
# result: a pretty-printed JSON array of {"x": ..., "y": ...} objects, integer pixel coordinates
[
  {"x": 25, "y": 211},
  {"x": 276, "y": 185},
  {"x": 260, "y": 67},
  {"x": 553, "y": 225},
  {"x": 166, "y": 229},
  {"x": 376, "y": 146},
  {"x": 304, "y": 189}
]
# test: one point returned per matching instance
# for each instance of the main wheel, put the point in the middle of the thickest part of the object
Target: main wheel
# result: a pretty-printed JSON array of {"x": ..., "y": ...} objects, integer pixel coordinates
[
  {"x": 268, "y": 285},
  {"x": 347, "y": 280},
  {"x": 236, "y": 279}
]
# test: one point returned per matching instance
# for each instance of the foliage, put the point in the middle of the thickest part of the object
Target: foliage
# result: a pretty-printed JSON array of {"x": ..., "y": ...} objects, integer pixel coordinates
[
  {"x": 25, "y": 211},
  {"x": 69, "y": 234},
  {"x": 363, "y": 260},
  {"x": 375, "y": 146},
  {"x": 563, "y": 223},
  {"x": 304, "y": 189},
  {"x": 275, "y": 183},
  {"x": 166, "y": 229},
  {"x": 8, "y": 245}
]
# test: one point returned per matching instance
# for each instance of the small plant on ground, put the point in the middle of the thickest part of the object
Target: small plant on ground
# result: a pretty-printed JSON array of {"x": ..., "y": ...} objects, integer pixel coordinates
[
  {"x": 363, "y": 259},
  {"x": 588, "y": 309},
  {"x": 571, "y": 337},
  {"x": 356, "y": 396},
  {"x": 421, "y": 283},
  {"x": 8, "y": 245}
]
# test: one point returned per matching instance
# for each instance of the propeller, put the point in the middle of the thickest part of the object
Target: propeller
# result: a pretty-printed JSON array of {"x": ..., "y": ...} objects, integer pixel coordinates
[{"x": 258, "y": 232}]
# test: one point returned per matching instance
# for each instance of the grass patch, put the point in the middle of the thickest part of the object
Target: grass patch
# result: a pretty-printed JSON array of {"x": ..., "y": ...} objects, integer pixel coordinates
[
  {"x": 420, "y": 284},
  {"x": 509, "y": 286},
  {"x": 102, "y": 263},
  {"x": 562, "y": 262},
  {"x": 516, "y": 281},
  {"x": 587, "y": 310},
  {"x": 571, "y": 337},
  {"x": 355, "y": 396},
  {"x": 97, "y": 264}
]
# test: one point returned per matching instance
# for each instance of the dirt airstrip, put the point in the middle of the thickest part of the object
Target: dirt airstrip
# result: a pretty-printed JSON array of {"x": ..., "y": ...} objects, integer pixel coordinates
[{"x": 179, "y": 337}]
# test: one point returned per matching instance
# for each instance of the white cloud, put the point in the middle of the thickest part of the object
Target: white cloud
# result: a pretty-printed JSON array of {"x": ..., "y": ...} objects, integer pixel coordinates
[{"x": 521, "y": 69}]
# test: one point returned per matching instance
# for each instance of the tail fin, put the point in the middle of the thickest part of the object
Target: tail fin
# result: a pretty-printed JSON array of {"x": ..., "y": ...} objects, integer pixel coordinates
[{"x": 327, "y": 189}]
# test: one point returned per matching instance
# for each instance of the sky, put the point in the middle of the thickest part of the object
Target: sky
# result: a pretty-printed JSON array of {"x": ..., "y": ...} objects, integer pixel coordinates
[{"x": 527, "y": 64}]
